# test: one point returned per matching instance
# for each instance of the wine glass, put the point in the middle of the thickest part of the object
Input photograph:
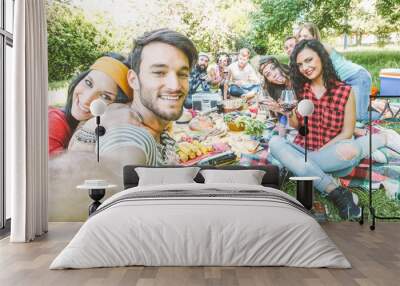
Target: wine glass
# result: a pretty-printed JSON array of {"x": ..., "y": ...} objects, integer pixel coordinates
[{"x": 288, "y": 100}]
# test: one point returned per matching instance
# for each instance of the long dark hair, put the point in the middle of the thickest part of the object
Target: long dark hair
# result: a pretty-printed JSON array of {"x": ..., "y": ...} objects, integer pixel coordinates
[
  {"x": 121, "y": 96},
  {"x": 329, "y": 75},
  {"x": 272, "y": 89},
  {"x": 223, "y": 54}
]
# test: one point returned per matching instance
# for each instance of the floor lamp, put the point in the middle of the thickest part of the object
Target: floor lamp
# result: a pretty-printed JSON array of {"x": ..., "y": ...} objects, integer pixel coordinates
[
  {"x": 97, "y": 108},
  {"x": 304, "y": 190},
  {"x": 305, "y": 109},
  {"x": 97, "y": 188}
]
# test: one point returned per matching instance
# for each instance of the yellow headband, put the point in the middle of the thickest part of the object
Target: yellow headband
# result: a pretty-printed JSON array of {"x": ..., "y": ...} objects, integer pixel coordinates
[{"x": 116, "y": 70}]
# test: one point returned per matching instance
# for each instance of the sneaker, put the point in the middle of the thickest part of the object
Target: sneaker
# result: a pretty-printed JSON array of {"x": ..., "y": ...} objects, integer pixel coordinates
[{"x": 346, "y": 202}]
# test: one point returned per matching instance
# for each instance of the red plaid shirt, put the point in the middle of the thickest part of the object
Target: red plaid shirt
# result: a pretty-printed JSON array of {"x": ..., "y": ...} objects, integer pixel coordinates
[{"x": 327, "y": 120}]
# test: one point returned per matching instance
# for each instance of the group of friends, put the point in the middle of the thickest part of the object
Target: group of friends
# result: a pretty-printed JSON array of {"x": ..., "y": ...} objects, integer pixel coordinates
[
  {"x": 233, "y": 76},
  {"x": 149, "y": 90}
]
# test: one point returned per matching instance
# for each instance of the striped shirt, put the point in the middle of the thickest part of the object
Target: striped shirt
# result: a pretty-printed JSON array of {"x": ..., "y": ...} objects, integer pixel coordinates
[{"x": 129, "y": 135}]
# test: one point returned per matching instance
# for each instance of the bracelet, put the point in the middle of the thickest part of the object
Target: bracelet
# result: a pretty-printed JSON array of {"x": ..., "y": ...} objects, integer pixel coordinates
[{"x": 85, "y": 136}]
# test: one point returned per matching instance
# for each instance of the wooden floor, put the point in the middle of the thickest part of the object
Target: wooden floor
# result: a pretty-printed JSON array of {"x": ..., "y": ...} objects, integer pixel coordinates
[{"x": 375, "y": 257}]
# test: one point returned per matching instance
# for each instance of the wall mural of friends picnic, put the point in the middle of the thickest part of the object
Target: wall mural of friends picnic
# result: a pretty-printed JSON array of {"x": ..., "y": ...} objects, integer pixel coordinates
[{"x": 206, "y": 90}]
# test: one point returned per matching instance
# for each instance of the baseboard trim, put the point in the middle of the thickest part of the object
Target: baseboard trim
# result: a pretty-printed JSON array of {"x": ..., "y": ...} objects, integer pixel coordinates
[{"x": 5, "y": 231}]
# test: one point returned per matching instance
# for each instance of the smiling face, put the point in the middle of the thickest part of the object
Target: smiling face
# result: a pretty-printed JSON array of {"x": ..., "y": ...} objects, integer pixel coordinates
[
  {"x": 309, "y": 64},
  {"x": 95, "y": 84},
  {"x": 163, "y": 81},
  {"x": 289, "y": 46},
  {"x": 273, "y": 74},
  {"x": 305, "y": 34}
]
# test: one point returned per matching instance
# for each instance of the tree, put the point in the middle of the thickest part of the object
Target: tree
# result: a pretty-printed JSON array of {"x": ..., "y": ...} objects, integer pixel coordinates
[
  {"x": 73, "y": 42},
  {"x": 362, "y": 19},
  {"x": 213, "y": 26},
  {"x": 273, "y": 20},
  {"x": 389, "y": 9},
  {"x": 276, "y": 19},
  {"x": 365, "y": 19}
]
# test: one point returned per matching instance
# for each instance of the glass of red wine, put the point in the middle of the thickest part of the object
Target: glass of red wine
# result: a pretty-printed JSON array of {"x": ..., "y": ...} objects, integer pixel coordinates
[{"x": 288, "y": 100}]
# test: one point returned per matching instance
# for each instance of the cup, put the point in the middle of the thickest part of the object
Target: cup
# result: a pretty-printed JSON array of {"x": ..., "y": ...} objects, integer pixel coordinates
[{"x": 220, "y": 107}]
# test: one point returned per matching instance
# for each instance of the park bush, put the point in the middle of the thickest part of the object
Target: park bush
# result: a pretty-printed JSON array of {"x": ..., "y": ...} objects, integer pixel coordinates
[{"x": 74, "y": 43}]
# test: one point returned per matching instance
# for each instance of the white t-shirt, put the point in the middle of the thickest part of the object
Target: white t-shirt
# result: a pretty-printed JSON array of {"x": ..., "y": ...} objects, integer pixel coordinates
[{"x": 247, "y": 74}]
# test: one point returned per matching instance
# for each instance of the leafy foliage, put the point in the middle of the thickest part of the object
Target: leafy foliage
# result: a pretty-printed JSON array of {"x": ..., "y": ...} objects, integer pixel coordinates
[
  {"x": 366, "y": 19},
  {"x": 213, "y": 26},
  {"x": 389, "y": 9},
  {"x": 73, "y": 42},
  {"x": 276, "y": 19},
  {"x": 76, "y": 39}
]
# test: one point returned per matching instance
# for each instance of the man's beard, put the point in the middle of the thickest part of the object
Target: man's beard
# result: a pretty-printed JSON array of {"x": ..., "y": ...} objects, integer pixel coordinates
[
  {"x": 201, "y": 67},
  {"x": 152, "y": 106}
]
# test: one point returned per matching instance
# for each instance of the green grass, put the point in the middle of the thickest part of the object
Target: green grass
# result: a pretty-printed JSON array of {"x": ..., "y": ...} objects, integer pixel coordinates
[
  {"x": 392, "y": 123},
  {"x": 54, "y": 85},
  {"x": 383, "y": 205},
  {"x": 374, "y": 61},
  {"x": 290, "y": 188}
]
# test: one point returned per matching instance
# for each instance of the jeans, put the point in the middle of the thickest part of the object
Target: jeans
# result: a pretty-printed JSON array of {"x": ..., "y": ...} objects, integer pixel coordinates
[
  {"x": 238, "y": 91},
  {"x": 361, "y": 83},
  {"x": 338, "y": 159}
]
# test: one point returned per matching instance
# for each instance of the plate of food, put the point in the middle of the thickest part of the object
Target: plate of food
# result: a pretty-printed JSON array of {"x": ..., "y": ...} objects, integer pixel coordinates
[
  {"x": 201, "y": 124},
  {"x": 232, "y": 104}
]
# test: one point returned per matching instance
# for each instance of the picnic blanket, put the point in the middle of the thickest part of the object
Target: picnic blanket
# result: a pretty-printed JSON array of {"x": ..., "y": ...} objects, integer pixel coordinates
[{"x": 385, "y": 176}]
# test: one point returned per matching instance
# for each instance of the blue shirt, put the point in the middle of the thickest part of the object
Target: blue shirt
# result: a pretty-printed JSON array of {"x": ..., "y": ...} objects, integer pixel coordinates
[{"x": 344, "y": 68}]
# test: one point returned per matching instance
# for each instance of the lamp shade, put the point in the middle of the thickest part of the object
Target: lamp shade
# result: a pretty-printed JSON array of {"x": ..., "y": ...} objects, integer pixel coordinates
[
  {"x": 98, "y": 107},
  {"x": 305, "y": 107}
]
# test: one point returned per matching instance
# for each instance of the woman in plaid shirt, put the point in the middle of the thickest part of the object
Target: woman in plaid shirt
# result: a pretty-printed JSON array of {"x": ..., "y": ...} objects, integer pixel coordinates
[
  {"x": 352, "y": 74},
  {"x": 333, "y": 151}
]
